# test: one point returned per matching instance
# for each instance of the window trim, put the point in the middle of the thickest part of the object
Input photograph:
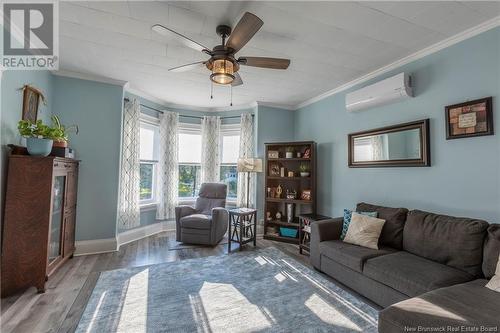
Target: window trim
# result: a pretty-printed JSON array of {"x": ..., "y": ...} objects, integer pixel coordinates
[{"x": 151, "y": 122}]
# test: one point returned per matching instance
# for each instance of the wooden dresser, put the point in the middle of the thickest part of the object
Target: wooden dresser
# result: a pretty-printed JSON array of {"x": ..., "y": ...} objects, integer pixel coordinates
[{"x": 39, "y": 222}]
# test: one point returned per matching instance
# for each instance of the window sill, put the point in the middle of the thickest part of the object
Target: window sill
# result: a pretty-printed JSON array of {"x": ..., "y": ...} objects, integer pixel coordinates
[{"x": 148, "y": 206}]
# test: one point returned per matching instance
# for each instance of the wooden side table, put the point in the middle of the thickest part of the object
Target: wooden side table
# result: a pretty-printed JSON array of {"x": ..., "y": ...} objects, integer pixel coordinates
[
  {"x": 305, "y": 222},
  {"x": 242, "y": 227}
]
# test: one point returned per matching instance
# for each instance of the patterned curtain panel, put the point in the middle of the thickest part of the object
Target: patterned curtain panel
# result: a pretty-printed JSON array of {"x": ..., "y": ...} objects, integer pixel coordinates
[
  {"x": 210, "y": 149},
  {"x": 246, "y": 151},
  {"x": 128, "y": 211},
  {"x": 168, "y": 168}
]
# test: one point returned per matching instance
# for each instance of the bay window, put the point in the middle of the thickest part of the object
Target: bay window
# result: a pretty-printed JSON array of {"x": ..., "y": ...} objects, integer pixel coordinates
[
  {"x": 230, "y": 143},
  {"x": 189, "y": 161},
  {"x": 149, "y": 136}
]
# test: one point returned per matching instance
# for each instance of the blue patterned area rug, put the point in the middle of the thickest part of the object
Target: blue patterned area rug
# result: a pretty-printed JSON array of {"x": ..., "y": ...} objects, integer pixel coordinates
[{"x": 251, "y": 291}]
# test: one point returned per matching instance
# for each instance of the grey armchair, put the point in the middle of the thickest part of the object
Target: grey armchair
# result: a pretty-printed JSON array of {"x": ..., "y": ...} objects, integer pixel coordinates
[{"x": 206, "y": 222}]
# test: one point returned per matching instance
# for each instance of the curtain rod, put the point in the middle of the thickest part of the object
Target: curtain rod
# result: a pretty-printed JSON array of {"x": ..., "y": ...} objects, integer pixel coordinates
[{"x": 180, "y": 115}]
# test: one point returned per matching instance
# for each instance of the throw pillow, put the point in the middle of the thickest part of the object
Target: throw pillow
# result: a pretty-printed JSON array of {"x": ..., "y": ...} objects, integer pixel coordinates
[
  {"x": 364, "y": 231},
  {"x": 494, "y": 283},
  {"x": 347, "y": 220}
]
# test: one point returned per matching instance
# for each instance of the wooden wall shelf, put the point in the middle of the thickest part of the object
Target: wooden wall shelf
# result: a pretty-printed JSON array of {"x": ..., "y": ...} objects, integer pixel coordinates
[{"x": 273, "y": 205}]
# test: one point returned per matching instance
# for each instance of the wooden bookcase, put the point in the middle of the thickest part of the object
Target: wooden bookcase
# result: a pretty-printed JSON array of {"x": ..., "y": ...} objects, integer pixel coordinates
[{"x": 274, "y": 204}]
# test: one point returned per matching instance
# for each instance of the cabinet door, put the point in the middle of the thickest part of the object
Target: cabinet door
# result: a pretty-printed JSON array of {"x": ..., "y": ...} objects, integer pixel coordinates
[
  {"x": 69, "y": 232},
  {"x": 71, "y": 190},
  {"x": 56, "y": 219}
]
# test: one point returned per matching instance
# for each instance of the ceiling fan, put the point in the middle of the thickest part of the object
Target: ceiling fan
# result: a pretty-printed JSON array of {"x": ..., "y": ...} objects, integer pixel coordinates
[{"x": 223, "y": 63}]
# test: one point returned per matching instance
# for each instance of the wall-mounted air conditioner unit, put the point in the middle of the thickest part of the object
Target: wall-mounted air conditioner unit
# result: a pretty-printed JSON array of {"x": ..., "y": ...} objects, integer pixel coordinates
[{"x": 390, "y": 90}]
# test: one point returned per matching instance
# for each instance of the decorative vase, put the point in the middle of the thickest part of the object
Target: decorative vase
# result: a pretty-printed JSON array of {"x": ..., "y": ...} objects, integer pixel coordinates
[
  {"x": 39, "y": 147},
  {"x": 289, "y": 154},
  {"x": 62, "y": 144},
  {"x": 304, "y": 174}
]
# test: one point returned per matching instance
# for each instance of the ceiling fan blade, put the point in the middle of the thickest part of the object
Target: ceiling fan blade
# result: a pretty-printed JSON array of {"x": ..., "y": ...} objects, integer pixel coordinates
[
  {"x": 180, "y": 38},
  {"x": 188, "y": 67},
  {"x": 244, "y": 31},
  {"x": 273, "y": 63},
  {"x": 237, "y": 80}
]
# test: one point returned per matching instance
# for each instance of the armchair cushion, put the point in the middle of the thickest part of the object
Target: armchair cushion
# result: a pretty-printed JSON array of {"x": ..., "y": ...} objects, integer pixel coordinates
[{"x": 196, "y": 221}]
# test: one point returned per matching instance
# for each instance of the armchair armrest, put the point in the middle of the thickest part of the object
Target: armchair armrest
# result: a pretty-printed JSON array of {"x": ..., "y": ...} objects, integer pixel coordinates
[
  {"x": 322, "y": 231},
  {"x": 220, "y": 218},
  {"x": 180, "y": 212}
]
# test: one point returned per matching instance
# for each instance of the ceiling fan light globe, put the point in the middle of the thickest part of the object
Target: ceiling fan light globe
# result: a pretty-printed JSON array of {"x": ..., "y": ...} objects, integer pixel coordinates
[{"x": 222, "y": 78}]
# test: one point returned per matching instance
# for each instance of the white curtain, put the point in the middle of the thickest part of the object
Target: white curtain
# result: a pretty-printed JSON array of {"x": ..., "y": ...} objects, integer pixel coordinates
[
  {"x": 128, "y": 210},
  {"x": 168, "y": 166},
  {"x": 210, "y": 149},
  {"x": 246, "y": 151}
]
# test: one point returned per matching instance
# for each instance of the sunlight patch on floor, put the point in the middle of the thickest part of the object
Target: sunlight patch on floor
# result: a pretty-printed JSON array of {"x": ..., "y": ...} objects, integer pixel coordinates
[
  {"x": 328, "y": 314},
  {"x": 280, "y": 277},
  {"x": 96, "y": 311},
  {"x": 136, "y": 302},
  {"x": 260, "y": 260},
  {"x": 228, "y": 310}
]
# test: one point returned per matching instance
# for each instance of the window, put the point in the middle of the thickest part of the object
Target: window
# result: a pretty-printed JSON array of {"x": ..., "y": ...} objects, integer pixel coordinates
[
  {"x": 189, "y": 161},
  {"x": 149, "y": 135},
  {"x": 230, "y": 143}
]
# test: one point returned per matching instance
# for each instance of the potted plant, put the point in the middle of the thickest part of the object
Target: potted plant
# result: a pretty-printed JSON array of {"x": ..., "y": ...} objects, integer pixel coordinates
[
  {"x": 38, "y": 137},
  {"x": 60, "y": 132},
  {"x": 304, "y": 170},
  {"x": 289, "y": 152}
]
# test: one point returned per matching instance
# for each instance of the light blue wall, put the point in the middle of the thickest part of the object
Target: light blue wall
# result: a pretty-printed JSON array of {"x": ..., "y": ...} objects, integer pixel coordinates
[
  {"x": 464, "y": 177},
  {"x": 97, "y": 109},
  {"x": 273, "y": 125}
]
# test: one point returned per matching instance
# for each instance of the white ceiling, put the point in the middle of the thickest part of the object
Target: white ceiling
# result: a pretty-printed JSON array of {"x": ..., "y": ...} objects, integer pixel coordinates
[{"x": 329, "y": 43}]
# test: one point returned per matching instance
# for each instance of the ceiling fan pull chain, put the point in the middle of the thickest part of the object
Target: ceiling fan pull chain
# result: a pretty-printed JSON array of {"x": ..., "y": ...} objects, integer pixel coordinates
[
  {"x": 211, "y": 89},
  {"x": 231, "y": 95}
]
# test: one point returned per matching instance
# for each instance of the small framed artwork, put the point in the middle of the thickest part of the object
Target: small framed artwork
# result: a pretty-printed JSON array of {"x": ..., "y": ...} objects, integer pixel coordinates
[
  {"x": 274, "y": 170},
  {"x": 305, "y": 195},
  {"x": 31, "y": 100},
  {"x": 474, "y": 118},
  {"x": 273, "y": 154},
  {"x": 307, "y": 153}
]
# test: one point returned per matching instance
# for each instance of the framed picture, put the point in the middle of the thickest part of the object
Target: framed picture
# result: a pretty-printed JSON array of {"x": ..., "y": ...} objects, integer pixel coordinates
[
  {"x": 273, "y": 154},
  {"x": 31, "y": 100},
  {"x": 305, "y": 195},
  {"x": 307, "y": 153},
  {"x": 274, "y": 170},
  {"x": 474, "y": 118}
]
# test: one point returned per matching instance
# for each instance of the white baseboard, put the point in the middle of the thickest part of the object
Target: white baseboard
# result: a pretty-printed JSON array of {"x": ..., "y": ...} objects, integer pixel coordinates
[
  {"x": 128, "y": 236},
  {"x": 113, "y": 244},
  {"x": 95, "y": 246}
]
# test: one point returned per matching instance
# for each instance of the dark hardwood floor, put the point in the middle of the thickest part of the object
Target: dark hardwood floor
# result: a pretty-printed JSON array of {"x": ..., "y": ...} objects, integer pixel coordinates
[{"x": 60, "y": 307}]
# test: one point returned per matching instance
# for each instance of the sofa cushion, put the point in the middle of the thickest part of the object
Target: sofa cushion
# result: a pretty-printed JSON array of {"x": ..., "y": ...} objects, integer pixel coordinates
[
  {"x": 412, "y": 275},
  {"x": 491, "y": 250},
  {"x": 453, "y": 241},
  {"x": 469, "y": 305},
  {"x": 352, "y": 256},
  {"x": 392, "y": 233},
  {"x": 196, "y": 221}
]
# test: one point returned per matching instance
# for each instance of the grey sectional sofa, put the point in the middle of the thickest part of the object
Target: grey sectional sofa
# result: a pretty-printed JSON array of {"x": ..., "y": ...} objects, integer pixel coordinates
[{"x": 429, "y": 272}]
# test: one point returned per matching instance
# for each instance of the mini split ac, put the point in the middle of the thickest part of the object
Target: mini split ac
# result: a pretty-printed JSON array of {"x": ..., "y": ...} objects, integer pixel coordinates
[{"x": 390, "y": 90}]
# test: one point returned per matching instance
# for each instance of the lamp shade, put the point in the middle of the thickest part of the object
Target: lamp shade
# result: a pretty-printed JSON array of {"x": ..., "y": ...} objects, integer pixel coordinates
[{"x": 249, "y": 165}]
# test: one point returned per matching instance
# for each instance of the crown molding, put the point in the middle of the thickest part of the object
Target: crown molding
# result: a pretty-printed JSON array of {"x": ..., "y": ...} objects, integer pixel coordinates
[
  {"x": 466, "y": 34},
  {"x": 90, "y": 77},
  {"x": 277, "y": 106}
]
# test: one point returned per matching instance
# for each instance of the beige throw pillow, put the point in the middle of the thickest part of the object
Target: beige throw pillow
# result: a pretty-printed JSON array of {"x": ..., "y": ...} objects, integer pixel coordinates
[
  {"x": 364, "y": 231},
  {"x": 494, "y": 283}
]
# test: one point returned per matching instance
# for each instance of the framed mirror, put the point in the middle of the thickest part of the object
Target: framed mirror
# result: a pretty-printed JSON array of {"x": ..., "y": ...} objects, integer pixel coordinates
[{"x": 393, "y": 146}]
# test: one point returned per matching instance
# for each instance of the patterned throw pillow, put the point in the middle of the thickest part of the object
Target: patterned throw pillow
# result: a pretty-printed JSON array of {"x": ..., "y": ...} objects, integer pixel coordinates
[
  {"x": 347, "y": 220},
  {"x": 494, "y": 283},
  {"x": 364, "y": 231}
]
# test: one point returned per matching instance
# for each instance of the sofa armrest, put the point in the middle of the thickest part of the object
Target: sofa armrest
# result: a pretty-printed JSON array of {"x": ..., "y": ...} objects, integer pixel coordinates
[
  {"x": 322, "y": 231},
  {"x": 180, "y": 212}
]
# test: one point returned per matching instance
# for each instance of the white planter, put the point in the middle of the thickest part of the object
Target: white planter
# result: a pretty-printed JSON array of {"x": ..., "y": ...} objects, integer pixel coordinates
[
  {"x": 304, "y": 174},
  {"x": 289, "y": 154}
]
